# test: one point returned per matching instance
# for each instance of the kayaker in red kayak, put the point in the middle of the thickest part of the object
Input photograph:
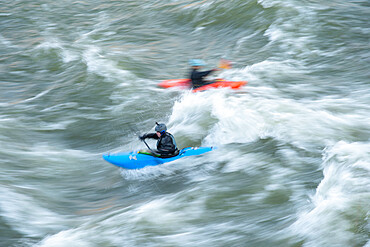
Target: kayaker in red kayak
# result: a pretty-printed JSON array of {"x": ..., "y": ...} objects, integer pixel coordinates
[{"x": 196, "y": 76}]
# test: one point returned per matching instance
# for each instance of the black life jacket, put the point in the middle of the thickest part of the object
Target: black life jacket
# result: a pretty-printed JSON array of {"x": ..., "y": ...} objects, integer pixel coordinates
[{"x": 166, "y": 144}]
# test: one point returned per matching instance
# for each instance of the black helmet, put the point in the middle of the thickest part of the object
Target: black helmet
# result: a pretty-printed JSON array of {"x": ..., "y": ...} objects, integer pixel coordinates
[{"x": 160, "y": 128}]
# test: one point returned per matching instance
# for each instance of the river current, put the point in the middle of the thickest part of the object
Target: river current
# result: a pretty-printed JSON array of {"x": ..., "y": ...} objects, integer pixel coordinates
[{"x": 292, "y": 164}]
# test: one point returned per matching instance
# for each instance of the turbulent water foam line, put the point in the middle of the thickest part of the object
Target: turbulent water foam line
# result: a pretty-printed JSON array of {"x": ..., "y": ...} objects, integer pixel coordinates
[
  {"x": 26, "y": 216},
  {"x": 147, "y": 173},
  {"x": 6, "y": 42},
  {"x": 56, "y": 44},
  {"x": 340, "y": 205},
  {"x": 221, "y": 118},
  {"x": 101, "y": 65},
  {"x": 290, "y": 30},
  {"x": 128, "y": 225},
  {"x": 63, "y": 239},
  {"x": 39, "y": 95}
]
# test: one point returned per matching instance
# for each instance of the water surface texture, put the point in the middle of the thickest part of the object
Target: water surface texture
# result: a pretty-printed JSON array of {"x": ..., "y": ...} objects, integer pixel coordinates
[{"x": 79, "y": 79}]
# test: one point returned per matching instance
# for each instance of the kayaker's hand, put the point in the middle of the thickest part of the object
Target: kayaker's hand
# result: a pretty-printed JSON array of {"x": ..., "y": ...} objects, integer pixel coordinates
[{"x": 142, "y": 138}]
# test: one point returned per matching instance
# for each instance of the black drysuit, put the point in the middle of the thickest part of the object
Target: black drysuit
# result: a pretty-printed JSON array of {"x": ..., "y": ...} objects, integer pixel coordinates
[
  {"x": 166, "y": 144},
  {"x": 197, "y": 77}
]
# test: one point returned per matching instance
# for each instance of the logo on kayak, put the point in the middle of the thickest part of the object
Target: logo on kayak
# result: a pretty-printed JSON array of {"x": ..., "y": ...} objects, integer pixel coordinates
[{"x": 132, "y": 157}]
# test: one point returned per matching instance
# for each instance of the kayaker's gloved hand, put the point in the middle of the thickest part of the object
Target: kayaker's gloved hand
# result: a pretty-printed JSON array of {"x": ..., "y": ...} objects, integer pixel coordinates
[{"x": 142, "y": 138}]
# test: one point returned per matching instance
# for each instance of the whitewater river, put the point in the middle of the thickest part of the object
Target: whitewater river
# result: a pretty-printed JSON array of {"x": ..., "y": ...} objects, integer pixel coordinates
[{"x": 79, "y": 79}]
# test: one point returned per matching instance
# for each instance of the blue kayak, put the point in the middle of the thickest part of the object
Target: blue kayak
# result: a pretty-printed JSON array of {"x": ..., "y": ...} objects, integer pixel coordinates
[{"x": 135, "y": 160}]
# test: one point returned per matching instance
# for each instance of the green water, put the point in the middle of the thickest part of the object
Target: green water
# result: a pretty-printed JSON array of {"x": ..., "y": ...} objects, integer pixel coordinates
[{"x": 79, "y": 79}]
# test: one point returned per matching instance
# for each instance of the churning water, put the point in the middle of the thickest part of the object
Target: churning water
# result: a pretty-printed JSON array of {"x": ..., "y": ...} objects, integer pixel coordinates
[{"x": 79, "y": 78}]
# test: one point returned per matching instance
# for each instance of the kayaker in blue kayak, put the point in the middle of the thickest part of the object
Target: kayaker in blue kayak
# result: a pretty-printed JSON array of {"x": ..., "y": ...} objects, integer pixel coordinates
[
  {"x": 196, "y": 76},
  {"x": 166, "y": 144}
]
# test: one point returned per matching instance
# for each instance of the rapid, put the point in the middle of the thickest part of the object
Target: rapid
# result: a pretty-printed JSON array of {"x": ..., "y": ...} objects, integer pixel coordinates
[{"x": 79, "y": 79}]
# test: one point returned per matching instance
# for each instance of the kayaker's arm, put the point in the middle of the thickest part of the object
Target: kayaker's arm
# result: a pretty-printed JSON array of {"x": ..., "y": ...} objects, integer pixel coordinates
[
  {"x": 149, "y": 135},
  {"x": 196, "y": 75},
  {"x": 205, "y": 73}
]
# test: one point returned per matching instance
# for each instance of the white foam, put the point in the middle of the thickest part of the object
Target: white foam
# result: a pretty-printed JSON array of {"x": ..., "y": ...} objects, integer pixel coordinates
[
  {"x": 6, "y": 42},
  {"x": 148, "y": 173},
  {"x": 99, "y": 64},
  {"x": 284, "y": 30},
  {"x": 341, "y": 199},
  {"x": 59, "y": 107},
  {"x": 52, "y": 43},
  {"x": 24, "y": 214},
  {"x": 220, "y": 117},
  {"x": 65, "y": 239},
  {"x": 123, "y": 225}
]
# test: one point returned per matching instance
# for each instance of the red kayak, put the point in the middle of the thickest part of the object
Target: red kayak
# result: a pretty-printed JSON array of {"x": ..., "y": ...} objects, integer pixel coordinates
[{"x": 185, "y": 83}]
